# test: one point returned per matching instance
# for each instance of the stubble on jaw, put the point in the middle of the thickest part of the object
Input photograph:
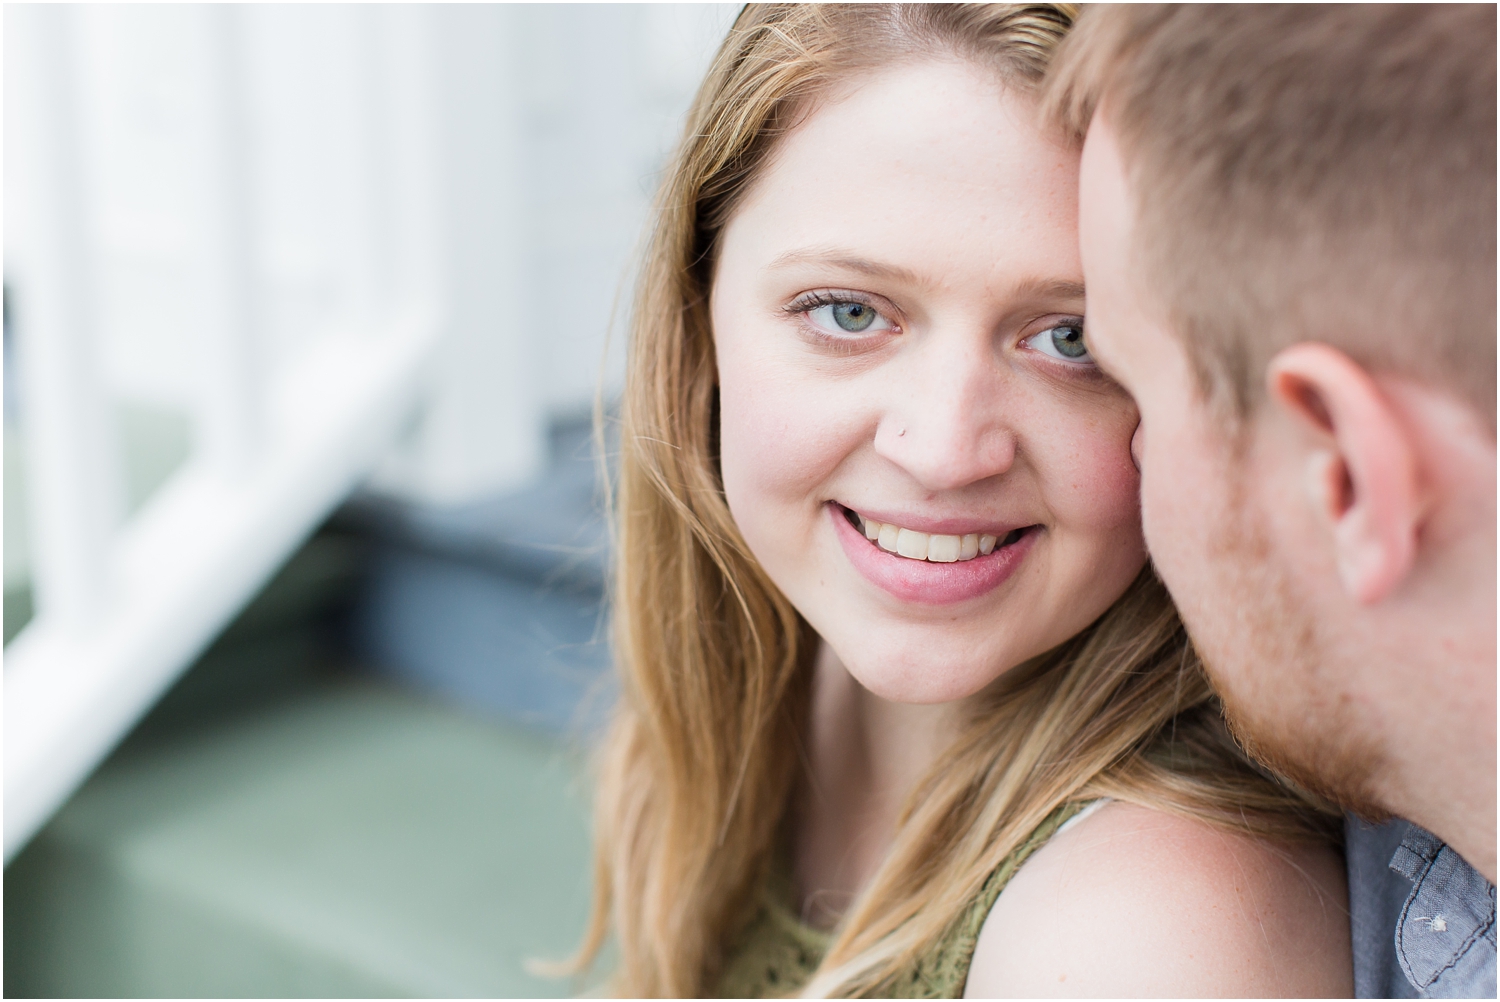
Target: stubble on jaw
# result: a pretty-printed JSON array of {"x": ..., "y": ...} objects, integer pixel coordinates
[{"x": 1284, "y": 687}]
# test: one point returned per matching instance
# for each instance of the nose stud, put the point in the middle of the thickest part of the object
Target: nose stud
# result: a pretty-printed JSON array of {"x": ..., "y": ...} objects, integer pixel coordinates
[{"x": 901, "y": 432}]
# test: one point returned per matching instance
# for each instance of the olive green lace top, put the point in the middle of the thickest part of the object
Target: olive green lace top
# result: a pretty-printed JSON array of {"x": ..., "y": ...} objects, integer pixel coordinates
[{"x": 777, "y": 952}]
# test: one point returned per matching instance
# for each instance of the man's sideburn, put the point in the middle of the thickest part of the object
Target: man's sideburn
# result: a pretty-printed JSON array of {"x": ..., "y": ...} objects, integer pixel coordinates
[{"x": 1284, "y": 688}]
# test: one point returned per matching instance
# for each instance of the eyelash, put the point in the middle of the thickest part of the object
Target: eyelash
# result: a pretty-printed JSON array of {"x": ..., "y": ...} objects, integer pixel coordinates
[
  {"x": 850, "y": 344},
  {"x": 1084, "y": 367},
  {"x": 847, "y": 345},
  {"x": 813, "y": 300}
]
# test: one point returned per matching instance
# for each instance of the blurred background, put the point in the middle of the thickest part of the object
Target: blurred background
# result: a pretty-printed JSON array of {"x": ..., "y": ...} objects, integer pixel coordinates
[{"x": 306, "y": 308}]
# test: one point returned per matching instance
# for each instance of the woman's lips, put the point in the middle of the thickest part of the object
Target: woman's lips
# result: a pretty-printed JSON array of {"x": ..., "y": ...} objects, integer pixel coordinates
[{"x": 923, "y": 581}]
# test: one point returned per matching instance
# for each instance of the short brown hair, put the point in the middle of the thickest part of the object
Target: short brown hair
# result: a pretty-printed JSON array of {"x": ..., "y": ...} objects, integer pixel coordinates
[{"x": 1300, "y": 173}]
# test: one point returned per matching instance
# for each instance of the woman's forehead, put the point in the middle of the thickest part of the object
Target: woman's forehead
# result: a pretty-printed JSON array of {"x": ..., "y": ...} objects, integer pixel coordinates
[{"x": 923, "y": 170}]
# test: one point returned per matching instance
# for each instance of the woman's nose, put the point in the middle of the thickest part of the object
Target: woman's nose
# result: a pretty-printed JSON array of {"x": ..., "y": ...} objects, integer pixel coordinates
[{"x": 949, "y": 428}]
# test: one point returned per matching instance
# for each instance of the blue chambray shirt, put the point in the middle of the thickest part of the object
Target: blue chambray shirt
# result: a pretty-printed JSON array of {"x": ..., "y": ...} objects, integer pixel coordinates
[{"x": 1422, "y": 919}]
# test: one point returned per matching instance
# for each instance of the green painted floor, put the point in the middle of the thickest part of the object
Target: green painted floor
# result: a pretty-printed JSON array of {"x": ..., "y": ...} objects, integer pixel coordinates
[
  {"x": 284, "y": 824},
  {"x": 351, "y": 841}
]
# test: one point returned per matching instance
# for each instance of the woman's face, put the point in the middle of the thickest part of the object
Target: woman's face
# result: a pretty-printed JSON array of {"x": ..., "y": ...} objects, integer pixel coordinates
[{"x": 897, "y": 312}]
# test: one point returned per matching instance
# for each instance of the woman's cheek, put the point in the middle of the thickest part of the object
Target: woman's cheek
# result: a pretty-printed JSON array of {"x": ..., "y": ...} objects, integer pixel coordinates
[
  {"x": 1095, "y": 486},
  {"x": 777, "y": 443}
]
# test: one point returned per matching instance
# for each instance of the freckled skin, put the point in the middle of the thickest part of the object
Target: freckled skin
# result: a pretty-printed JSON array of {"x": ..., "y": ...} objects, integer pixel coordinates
[{"x": 971, "y": 212}]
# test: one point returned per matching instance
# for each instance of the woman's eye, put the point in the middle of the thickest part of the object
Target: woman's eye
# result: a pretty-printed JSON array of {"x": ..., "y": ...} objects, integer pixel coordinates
[
  {"x": 1065, "y": 341},
  {"x": 848, "y": 318}
]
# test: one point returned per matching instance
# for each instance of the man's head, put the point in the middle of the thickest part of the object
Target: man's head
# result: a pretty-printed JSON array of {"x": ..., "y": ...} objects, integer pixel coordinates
[{"x": 1288, "y": 226}]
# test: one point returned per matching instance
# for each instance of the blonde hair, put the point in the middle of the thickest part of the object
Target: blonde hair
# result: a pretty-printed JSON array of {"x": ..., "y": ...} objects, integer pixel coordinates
[{"x": 699, "y": 766}]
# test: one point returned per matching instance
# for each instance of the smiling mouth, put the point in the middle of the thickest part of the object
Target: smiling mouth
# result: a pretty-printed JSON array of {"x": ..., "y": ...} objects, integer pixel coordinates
[{"x": 931, "y": 547}]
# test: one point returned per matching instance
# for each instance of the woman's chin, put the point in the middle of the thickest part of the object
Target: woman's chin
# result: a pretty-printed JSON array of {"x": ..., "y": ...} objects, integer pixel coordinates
[
  {"x": 927, "y": 680},
  {"x": 922, "y": 658}
]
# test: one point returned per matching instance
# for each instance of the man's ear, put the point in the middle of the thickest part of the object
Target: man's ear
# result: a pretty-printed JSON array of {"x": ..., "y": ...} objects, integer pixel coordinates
[{"x": 1361, "y": 465}]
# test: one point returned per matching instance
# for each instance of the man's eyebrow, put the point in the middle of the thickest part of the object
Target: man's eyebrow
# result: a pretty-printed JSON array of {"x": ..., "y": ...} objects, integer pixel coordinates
[{"x": 836, "y": 258}]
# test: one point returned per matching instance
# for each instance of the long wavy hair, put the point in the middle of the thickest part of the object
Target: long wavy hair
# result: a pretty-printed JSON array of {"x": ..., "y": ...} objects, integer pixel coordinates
[{"x": 698, "y": 770}]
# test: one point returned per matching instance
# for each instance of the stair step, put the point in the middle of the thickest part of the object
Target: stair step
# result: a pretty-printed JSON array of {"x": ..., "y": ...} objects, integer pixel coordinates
[{"x": 354, "y": 841}]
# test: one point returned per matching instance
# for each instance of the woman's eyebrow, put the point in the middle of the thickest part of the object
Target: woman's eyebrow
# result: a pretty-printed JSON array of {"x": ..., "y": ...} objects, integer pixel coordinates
[
  {"x": 1039, "y": 288},
  {"x": 1032, "y": 288},
  {"x": 836, "y": 258}
]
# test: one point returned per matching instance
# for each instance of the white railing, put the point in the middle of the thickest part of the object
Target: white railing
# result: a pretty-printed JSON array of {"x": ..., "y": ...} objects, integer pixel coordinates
[{"x": 123, "y": 607}]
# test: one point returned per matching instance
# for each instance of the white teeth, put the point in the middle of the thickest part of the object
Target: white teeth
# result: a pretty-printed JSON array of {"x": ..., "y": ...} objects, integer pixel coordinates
[
  {"x": 944, "y": 549},
  {"x": 912, "y": 544},
  {"x": 926, "y": 546}
]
